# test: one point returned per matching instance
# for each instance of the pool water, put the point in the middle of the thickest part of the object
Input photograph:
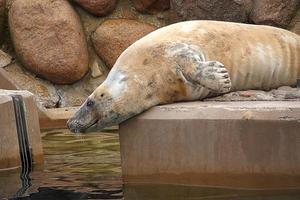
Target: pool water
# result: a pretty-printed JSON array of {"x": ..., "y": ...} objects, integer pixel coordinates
[
  {"x": 76, "y": 167},
  {"x": 89, "y": 167}
]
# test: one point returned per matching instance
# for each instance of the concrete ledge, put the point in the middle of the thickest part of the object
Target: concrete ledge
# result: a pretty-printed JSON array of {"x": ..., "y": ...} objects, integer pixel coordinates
[
  {"x": 245, "y": 144},
  {"x": 55, "y": 118}
]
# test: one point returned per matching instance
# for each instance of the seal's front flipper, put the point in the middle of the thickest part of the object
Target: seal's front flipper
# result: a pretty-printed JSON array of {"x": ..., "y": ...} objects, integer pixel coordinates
[
  {"x": 192, "y": 67},
  {"x": 213, "y": 75}
]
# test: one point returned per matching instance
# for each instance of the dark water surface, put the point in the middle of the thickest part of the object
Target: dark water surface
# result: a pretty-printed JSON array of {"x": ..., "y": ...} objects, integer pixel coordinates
[{"x": 88, "y": 167}]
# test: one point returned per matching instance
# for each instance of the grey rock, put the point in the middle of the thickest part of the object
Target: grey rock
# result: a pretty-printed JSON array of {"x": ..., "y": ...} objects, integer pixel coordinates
[
  {"x": 76, "y": 94},
  {"x": 44, "y": 91},
  {"x": 5, "y": 59},
  {"x": 50, "y": 95}
]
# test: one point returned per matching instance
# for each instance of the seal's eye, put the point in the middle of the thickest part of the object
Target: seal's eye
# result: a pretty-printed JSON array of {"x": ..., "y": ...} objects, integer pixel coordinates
[
  {"x": 90, "y": 103},
  {"x": 102, "y": 95}
]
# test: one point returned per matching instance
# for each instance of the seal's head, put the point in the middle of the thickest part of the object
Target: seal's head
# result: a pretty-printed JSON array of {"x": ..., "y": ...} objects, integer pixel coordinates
[
  {"x": 92, "y": 112},
  {"x": 111, "y": 103}
]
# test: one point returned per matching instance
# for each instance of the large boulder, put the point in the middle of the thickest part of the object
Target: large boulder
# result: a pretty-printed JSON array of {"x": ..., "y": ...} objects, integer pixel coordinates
[
  {"x": 274, "y": 12},
  {"x": 224, "y": 10},
  {"x": 151, "y": 6},
  {"x": 97, "y": 7},
  {"x": 49, "y": 40},
  {"x": 113, "y": 36}
]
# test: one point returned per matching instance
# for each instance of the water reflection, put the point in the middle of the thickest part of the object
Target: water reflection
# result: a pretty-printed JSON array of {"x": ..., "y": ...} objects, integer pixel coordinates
[
  {"x": 59, "y": 194},
  {"x": 181, "y": 192},
  {"x": 95, "y": 153},
  {"x": 87, "y": 165}
]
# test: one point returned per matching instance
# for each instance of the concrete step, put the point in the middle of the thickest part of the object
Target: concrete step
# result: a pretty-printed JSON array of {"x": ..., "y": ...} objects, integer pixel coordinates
[
  {"x": 249, "y": 144},
  {"x": 5, "y": 81},
  {"x": 19, "y": 131},
  {"x": 55, "y": 118}
]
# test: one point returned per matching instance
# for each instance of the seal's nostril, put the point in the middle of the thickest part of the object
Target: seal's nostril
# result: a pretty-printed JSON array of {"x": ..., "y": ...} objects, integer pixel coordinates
[{"x": 90, "y": 103}]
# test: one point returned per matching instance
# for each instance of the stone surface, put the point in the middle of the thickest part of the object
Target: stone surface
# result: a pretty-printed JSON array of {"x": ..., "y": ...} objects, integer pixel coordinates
[
  {"x": 9, "y": 148},
  {"x": 274, "y": 12},
  {"x": 45, "y": 92},
  {"x": 284, "y": 93},
  {"x": 224, "y": 10},
  {"x": 113, "y": 36},
  {"x": 151, "y": 6},
  {"x": 6, "y": 82},
  {"x": 238, "y": 144},
  {"x": 95, "y": 69},
  {"x": 294, "y": 26},
  {"x": 98, "y": 7},
  {"x": 49, "y": 39},
  {"x": 76, "y": 94},
  {"x": 2, "y": 17},
  {"x": 9, "y": 145},
  {"x": 5, "y": 59},
  {"x": 96, "y": 65},
  {"x": 50, "y": 95}
]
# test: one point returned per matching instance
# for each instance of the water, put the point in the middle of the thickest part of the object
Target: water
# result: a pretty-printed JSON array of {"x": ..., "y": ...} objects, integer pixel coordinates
[
  {"x": 88, "y": 167},
  {"x": 76, "y": 167}
]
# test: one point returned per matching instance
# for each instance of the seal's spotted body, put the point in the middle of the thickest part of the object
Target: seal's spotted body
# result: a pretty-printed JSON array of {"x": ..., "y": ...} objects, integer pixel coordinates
[{"x": 190, "y": 61}]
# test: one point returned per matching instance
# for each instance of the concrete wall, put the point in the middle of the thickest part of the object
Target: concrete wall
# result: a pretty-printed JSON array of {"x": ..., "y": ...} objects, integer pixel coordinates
[
  {"x": 9, "y": 148},
  {"x": 9, "y": 144},
  {"x": 251, "y": 144},
  {"x": 5, "y": 81}
]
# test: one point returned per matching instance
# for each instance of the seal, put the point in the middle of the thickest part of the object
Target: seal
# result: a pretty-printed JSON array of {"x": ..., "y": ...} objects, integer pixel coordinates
[{"x": 190, "y": 61}]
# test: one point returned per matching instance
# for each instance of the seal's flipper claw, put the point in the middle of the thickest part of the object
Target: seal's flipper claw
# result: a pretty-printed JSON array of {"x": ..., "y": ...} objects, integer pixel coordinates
[{"x": 214, "y": 76}]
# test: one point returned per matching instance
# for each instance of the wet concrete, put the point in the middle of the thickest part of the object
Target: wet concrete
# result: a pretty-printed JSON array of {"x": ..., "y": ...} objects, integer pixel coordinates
[{"x": 182, "y": 192}]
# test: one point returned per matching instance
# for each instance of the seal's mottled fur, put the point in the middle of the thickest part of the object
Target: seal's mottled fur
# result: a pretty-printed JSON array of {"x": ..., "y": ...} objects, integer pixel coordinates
[{"x": 190, "y": 61}]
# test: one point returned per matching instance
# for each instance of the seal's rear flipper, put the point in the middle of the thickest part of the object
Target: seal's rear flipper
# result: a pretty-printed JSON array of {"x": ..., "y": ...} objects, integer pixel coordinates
[{"x": 213, "y": 75}]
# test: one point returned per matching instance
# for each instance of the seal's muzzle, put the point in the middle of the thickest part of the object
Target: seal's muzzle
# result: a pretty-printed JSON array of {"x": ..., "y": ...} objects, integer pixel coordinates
[{"x": 84, "y": 118}]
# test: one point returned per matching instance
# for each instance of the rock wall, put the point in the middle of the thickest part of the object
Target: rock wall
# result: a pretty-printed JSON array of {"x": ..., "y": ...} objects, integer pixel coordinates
[
  {"x": 267, "y": 12},
  {"x": 224, "y": 10},
  {"x": 62, "y": 50}
]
